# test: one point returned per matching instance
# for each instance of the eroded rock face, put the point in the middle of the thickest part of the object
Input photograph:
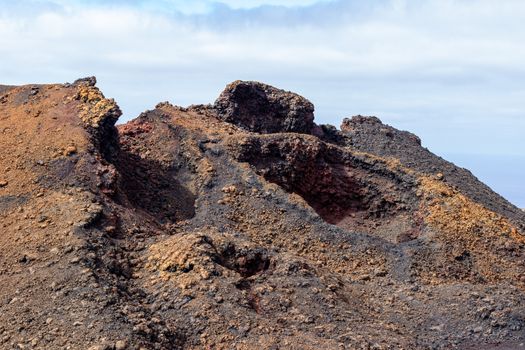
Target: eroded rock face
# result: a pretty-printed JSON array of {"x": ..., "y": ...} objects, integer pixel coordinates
[
  {"x": 262, "y": 108},
  {"x": 369, "y": 134},
  {"x": 355, "y": 192},
  {"x": 362, "y": 130},
  {"x": 180, "y": 230}
]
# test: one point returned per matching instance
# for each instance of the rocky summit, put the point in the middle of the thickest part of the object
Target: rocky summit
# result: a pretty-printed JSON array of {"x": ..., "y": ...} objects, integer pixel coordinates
[{"x": 243, "y": 225}]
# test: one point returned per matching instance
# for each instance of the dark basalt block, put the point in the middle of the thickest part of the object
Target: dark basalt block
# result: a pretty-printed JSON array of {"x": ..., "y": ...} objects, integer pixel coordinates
[{"x": 262, "y": 108}]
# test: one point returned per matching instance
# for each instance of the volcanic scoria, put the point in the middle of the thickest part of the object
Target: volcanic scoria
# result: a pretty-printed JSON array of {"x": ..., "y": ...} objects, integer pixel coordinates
[{"x": 243, "y": 225}]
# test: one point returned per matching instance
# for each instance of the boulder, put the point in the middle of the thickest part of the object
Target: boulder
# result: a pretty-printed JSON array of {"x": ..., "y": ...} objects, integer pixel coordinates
[{"x": 264, "y": 109}]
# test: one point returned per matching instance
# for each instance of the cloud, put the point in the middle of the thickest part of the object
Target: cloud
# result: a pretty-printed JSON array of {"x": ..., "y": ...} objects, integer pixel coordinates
[{"x": 181, "y": 6}]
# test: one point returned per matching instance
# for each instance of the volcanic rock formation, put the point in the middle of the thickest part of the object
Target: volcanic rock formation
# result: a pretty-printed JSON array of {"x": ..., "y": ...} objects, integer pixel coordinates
[
  {"x": 243, "y": 225},
  {"x": 264, "y": 109}
]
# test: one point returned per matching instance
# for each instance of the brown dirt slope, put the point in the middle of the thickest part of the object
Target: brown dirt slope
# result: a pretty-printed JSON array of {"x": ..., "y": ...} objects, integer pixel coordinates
[{"x": 199, "y": 228}]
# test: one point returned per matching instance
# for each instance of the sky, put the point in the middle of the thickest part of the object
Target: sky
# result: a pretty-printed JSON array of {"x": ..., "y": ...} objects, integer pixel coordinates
[{"x": 450, "y": 71}]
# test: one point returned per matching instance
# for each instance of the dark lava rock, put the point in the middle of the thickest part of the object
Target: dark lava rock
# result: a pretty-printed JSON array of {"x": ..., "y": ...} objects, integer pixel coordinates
[
  {"x": 369, "y": 134},
  {"x": 88, "y": 81},
  {"x": 360, "y": 127},
  {"x": 262, "y": 108}
]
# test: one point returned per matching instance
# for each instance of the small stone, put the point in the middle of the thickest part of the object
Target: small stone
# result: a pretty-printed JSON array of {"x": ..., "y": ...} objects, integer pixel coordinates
[
  {"x": 364, "y": 277},
  {"x": 332, "y": 287},
  {"x": 205, "y": 274},
  {"x": 121, "y": 345},
  {"x": 438, "y": 328},
  {"x": 75, "y": 260},
  {"x": 110, "y": 229},
  {"x": 306, "y": 319},
  {"x": 229, "y": 189},
  {"x": 70, "y": 150},
  {"x": 100, "y": 347},
  {"x": 380, "y": 272},
  {"x": 3, "y": 183}
]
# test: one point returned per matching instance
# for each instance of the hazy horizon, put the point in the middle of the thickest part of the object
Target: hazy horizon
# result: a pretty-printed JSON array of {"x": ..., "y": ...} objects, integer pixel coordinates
[{"x": 450, "y": 71}]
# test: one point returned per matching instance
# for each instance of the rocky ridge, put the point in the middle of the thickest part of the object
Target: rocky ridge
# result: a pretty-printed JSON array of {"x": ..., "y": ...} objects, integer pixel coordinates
[{"x": 243, "y": 225}]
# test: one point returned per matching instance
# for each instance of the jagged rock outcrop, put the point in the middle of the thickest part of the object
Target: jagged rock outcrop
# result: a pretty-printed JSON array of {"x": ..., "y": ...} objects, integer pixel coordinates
[
  {"x": 369, "y": 134},
  {"x": 262, "y": 108},
  {"x": 237, "y": 226}
]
